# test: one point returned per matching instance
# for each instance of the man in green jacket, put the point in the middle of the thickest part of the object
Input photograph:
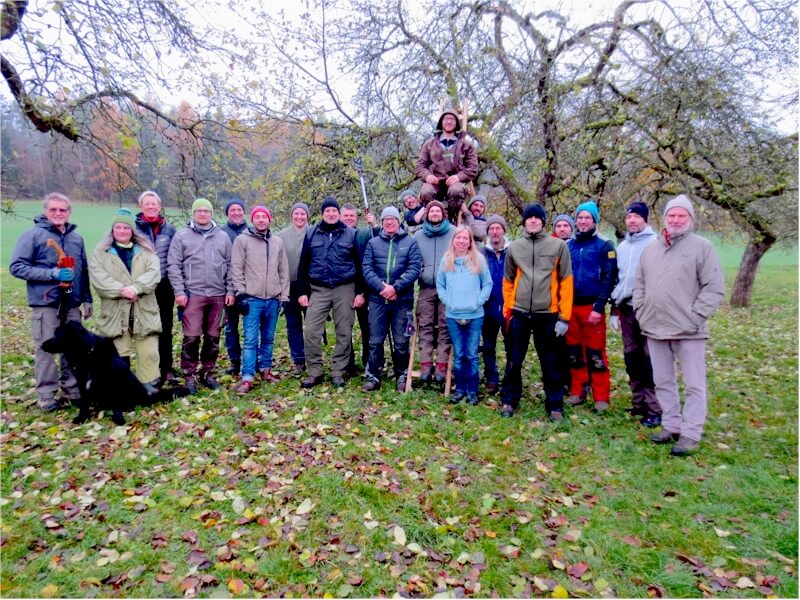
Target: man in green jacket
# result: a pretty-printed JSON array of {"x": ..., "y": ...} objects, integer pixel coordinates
[{"x": 679, "y": 285}]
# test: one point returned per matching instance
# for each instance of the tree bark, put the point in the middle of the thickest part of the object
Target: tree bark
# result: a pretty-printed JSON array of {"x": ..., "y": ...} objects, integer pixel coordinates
[{"x": 748, "y": 267}]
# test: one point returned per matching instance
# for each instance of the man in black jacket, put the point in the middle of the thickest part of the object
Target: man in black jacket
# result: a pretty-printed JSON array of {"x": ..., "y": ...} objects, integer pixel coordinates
[{"x": 329, "y": 278}]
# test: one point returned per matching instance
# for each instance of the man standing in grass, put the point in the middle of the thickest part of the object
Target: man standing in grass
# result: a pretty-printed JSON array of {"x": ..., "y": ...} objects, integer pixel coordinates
[
  {"x": 236, "y": 225},
  {"x": 55, "y": 291},
  {"x": 198, "y": 267},
  {"x": 495, "y": 254},
  {"x": 637, "y": 357},
  {"x": 679, "y": 285}
]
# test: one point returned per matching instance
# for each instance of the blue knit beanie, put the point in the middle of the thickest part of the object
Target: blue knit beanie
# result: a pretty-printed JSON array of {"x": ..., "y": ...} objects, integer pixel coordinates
[
  {"x": 589, "y": 206},
  {"x": 233, "y": 201}
]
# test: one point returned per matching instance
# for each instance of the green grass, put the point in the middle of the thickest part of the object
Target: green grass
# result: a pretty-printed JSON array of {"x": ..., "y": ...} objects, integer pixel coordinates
[{"x": 95, "y": 510}]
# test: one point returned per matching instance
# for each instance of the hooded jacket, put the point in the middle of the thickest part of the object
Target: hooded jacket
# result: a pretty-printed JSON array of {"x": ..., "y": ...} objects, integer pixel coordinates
[
  {"x": 432, "y": 249},
  {"x": 33, "y": 260},
  {"x": 396, "y": 261},
  {"x": 538, "y": 276},
  {"x": 679, "y": 285},
  {"x": 109, "y": 275},
  {"x": 461, "y": 159},
  {"x": 629, "y": 252},
  {"x": 496, "y": 264},
  {"x": 259, "y": 266},
  {"x": 199, "y": 261},
  {"x": 160, "y": 234},
  {"x": 462, "y": 291},
  {"x": 594, "y": 268}
]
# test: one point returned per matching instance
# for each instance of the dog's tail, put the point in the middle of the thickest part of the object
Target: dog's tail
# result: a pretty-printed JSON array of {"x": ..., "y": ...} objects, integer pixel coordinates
[{"x": 168, "y": 394}]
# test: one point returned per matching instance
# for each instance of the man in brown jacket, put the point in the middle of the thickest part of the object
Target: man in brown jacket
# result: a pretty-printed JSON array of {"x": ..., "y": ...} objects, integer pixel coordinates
[
  {"x": 446, "y": 163},
  {"x": 260, "y": 275},
  {"x": 679, "y": 285}
]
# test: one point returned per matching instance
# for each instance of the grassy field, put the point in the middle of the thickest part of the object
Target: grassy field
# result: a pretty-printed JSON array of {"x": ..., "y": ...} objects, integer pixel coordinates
[{"x": 339, "y": 493}]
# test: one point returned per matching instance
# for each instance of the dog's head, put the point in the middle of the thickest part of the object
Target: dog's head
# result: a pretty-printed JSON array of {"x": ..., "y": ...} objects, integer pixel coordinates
[{"x": 71, "y": 336}]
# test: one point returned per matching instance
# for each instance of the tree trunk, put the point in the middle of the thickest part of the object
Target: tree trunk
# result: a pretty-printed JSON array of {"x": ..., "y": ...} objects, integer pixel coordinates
[{"x": 745, "y": 278}]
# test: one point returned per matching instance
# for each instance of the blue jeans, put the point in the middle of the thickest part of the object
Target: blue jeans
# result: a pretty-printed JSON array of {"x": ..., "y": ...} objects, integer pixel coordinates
[
  {"x": 465, "y": 339},
  {"x": 259, "y": 336},
  {"x": 294, "y": 330},
  {"x": 232, "y": 344}
]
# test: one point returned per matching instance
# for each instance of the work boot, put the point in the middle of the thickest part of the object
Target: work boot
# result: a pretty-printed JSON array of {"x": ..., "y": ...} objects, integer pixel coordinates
[
  {"x": 440, "y": 376},
  {"x": 600, "y": 407},
  {"x": 311, "y": 381},
  {"x": 191, "y": 384},
  {"x": 401, "y": 383},
  {"x": 245, "y": 387},
  {"x": 651, "y": 421},
  {"x": 457, "y": 397},
  {"x": 47, "y": 404},
  {"x": 664, "y": 436},
  {"x": 472, "y": 399},
  {"x": 234, "y": 369},
  {"x": 208, "y": 380},
  {"x": 685, "y": 446},
  {"x": 426, "y": 373},
  {"x": 337, "y": 381},
  {"x": 507, "y": 411},
  {"x": 574, "y": 400},
  {"x": 370, "y": 385},
  {"x": 556, "y": 416},
  {"x": 298, "y": 369},
  {"x": 268, "y": 376}
]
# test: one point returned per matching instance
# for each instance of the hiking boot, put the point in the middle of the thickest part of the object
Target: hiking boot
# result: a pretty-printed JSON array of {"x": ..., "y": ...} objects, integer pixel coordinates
[
  {"x": 574, "y": 400},
  {"x": 298, "y": 369},
  {"x": 191, "y": 385},
  {"x": 370, "y": 385},
  {"x": 311, "y": 381},
  {"x": 507, "y": 411},
  {"x": 685, "y": 446},
  {"x": 245, "y": 387},
  {"x": 556, "y": 416},
  {"x": 48, "y": 404},
  {"x": 440, "y": 376},
  {"x": 457, "y": 397},
  {"x": 492, "y": 388},
  {"x": 268, "y": 376},
  {"x": 664, "y": 437},
  {"x": 600, "y": 406},
  {"x": 208, "y": 381},
  {"x": 234, "y": 369},
  {"x": 401, "y": 384},
  {"x": 337, "y": 381},
  {"x": 472, "y": 399},
  {"x": 426, "y": 374},
  {"x": 651, "y": 421}
]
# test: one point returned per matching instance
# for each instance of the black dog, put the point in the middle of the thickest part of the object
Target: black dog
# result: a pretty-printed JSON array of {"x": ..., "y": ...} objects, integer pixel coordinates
[{"x": 104, "y": 379}]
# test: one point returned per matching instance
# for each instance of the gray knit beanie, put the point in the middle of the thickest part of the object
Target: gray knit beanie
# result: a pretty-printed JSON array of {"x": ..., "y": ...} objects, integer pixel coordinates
[{"x": 681, "y": 201}]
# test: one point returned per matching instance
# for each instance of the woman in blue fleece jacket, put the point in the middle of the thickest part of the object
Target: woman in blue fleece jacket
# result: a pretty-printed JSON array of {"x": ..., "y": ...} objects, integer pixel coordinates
[{"x": 464, "y": 284}]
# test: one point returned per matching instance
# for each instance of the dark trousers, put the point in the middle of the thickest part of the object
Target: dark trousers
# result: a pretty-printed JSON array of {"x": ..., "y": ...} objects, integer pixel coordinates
[
  {"x": 233, "y": 343},
  {"x": 491, "y": 329},
  {"x": 165, "y": 298},
  {"x": 202, "y": 317},
  {"x": 294, "y": 314},
  {"x": 542, "y": 326},
  {"x": 637, "y": 364},
  {"x": 362, "y": 314},
  {"x": 383, "y": 315}
]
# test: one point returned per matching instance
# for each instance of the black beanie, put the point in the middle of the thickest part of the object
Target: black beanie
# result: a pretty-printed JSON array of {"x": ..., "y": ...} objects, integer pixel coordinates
[
  {"x": 329, "y": 202},
  {"x": 534, "y": 210},
  {"x": 640, "y": 208}
]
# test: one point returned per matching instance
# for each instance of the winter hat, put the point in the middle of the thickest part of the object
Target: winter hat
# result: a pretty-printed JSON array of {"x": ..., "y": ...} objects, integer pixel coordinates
[
  {"x": 496, "y": 219},
  {"x": 233, "y": 201},
  {"x": 477, "y": 198},
  {"x": 681, "y": 201},
  {"x": 123, "y": 215},
  {"x": 406, "y": 194},
  {"x": 440, "y": 205},
  {"x": 390, "y": 212},
  {"x": 534, "y": 210},
  {"x": 566, "y": 218},
  {"x": 304, "y": 206},
  {"x": 591, "y": 207},
  {"x": 202, "y": 203},
  {"x": 638, "y": 208},
  {"x": 329, "y": 202},
  {"x": 260, "y": 209},
  {"x": 448, "y": 111}
]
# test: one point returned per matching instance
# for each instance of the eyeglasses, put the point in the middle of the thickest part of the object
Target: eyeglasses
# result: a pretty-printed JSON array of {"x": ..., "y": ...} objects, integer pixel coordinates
[{"x": 58, "y": 210}]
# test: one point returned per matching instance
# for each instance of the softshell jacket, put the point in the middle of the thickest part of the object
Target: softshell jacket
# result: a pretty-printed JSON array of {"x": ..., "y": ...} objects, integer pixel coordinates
[
  {"x": 432, "y": 249},
  {"x": 493, "y": 309},
  {"x": 33, "y": 260},
  {"x": 460, "y": 159},
  {"x": 628, "y": 254},
  {"x": 109, "y": 275},
  {"x": 462, "y": 291},
  {"x": 259, "y": 266},
  {"x": 679, "y": 285},
  {"x": 478, "y": 225},
  {"x": 329, "y": 259},
  {"x": 538, "y": 276},
  {"x": 234, "y": 230},
  {"x": 594, "y": 269},
  {"x": 199, "y": 261},
  {"x": 160, "y": 234},
  {"x": 395, "y": 261}
]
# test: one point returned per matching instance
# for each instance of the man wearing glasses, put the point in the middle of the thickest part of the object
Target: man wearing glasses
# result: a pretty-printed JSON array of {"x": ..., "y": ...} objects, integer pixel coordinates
[{"x": 57, "y": 287}]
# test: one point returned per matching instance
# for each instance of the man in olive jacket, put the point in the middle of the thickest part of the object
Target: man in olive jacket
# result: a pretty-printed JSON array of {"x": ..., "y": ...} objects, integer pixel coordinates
[{"x": 679, "y": 285}]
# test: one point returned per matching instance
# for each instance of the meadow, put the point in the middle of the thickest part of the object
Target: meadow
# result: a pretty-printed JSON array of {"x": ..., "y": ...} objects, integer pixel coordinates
[{"x": 338, "y": 493}]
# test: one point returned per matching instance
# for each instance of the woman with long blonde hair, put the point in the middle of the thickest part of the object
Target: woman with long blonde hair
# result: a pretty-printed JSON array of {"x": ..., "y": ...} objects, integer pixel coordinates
[{"x": 464, "y": 284}]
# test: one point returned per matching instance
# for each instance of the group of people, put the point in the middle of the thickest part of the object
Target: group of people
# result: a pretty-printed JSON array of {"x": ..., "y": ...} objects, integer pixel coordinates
[{"x": 460, "y": 295}]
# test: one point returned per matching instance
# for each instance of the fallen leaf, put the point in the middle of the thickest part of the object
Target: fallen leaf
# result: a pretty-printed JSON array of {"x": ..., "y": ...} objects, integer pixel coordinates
[
  {"x": 305, "y": 507},
  {"x": 744, "y": 583},
  {"x": 632, "y": 540},
  {"x": 577, "y": 570},
  {"x": 237, "y": 586},
  {"x": 721, "y": 532},
  {"x": 559, "y": 592},
  {"x": 50, "y": 591},
  {"x": 509, "y": 551},
  {"x": 399, "y": 535}
]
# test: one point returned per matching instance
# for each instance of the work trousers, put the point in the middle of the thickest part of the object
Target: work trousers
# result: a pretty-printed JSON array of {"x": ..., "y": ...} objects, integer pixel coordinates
[
  {"x": 587, "y": 349},
  {"x": 321, "y": 302}
]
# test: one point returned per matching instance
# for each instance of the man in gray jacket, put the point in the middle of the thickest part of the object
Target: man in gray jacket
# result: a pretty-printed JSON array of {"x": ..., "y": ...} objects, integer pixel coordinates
[
  {"x": 198, "y": 268},
  {"x": 679, "y": 285}
]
